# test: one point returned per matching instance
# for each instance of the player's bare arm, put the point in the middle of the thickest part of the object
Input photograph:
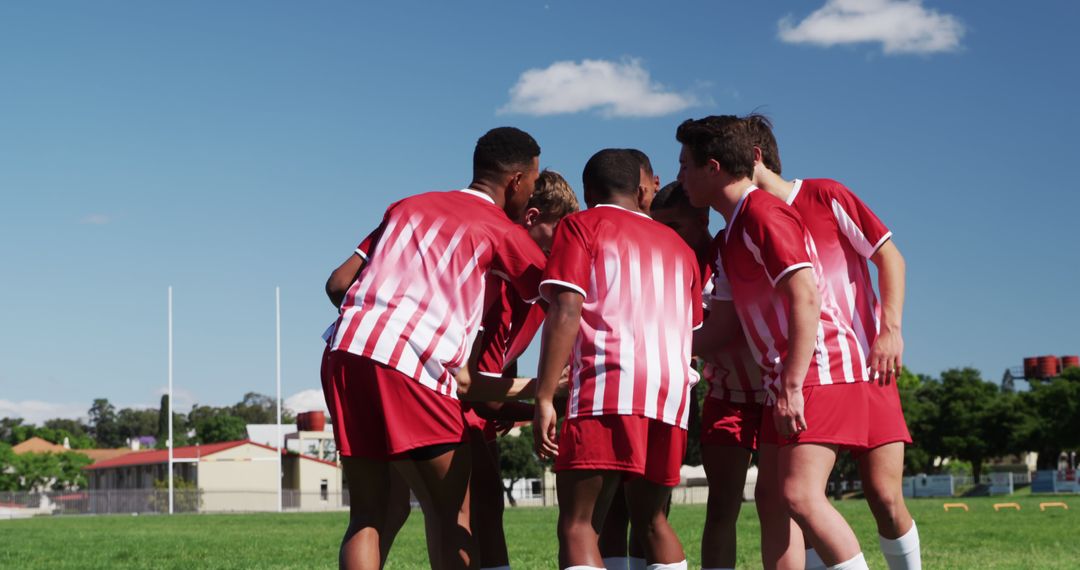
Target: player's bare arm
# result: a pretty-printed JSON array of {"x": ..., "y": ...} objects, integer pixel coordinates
[
  {"x": 886, "y": 356},
  {"x": 343, "y": 277},
  {"x": 557, "y": 341},
  {"x": 800, "y": 290},
  {"x": 720, "y": 329}
]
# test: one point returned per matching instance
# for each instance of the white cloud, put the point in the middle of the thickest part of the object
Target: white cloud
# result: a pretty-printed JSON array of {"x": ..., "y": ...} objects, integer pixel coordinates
[
  {"x": 306, "y": 401},
  {"x": 901, "y": 26},
  {"x": 36, "y": 411},
  {"x": 615, "y": 89},
  {"x": 96, "y": 219}
]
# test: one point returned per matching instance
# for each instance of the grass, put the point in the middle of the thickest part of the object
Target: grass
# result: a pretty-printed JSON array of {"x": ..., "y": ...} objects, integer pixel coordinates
[{"x": 980, "y": 538}]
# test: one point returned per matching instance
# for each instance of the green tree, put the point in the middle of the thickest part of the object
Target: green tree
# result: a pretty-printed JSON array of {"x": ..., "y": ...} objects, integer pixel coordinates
[
  {"x": 132, "y": 423},
  {"x": 219, "y": 428},
  {"x": 258, "y": 408},
  {"x": 919, "y": 398},
  {"x": 103, "y": 425},
  {"x": 967, "y": 405},
  {"x": 9, "y": 479},
  {"x": 1054, "y": 408},
  {"x": 163, "y": 420},
  {"x": 50, "y": 471},
  {"x": 517, "y": 461},
  {"x": 14, "y": 431}
]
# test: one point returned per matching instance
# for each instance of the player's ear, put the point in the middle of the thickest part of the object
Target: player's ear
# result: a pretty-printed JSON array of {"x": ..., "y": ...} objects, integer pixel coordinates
[
  {"x": 757, "y": 154},
  {"x": 532, "y": 215}
]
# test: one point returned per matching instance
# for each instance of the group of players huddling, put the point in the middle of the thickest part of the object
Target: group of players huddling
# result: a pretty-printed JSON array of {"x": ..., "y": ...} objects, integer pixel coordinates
[{"x": 637, "y": 301}]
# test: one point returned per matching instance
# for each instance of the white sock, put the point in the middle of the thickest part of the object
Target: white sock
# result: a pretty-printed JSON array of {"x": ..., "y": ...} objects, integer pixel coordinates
[
  {"x": 813, "y": 561},
  {"x": 616, "y": 563},
  {"x": 902, "y": 553},
  {"x": 635, "y": 563},
  {"x": 672, "y": 566},
  {"x": 857, "y": 563}
]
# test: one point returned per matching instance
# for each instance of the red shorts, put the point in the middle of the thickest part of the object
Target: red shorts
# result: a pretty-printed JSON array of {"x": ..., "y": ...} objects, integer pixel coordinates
[
  {"x": 835, "y": 414},
  {"x": 887, "y": 423},
  {"x": 730, "y": 424},
  {"x": 380, "y": 413},
  {"x": 477, "y": 424},
  {"x": 641, "y": 446}
]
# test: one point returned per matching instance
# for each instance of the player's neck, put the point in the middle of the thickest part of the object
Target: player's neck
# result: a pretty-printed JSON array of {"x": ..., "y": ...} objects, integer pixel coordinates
[
  {"x": 493, "y": 190},
  {"x": 773, "y": 183},
  {"x": 624, "y": 202},
  {"x": 729, "y": 197}
]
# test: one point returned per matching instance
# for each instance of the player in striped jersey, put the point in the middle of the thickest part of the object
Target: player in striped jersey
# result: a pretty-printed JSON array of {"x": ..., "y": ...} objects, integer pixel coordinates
[
  {"x": 732, "y": 410},
  {"x": 810, "y": 360},
  {"x": 406, "y": 328},
  {"x": 624, "y": 294},
  {"x": 847, "y": 233}
]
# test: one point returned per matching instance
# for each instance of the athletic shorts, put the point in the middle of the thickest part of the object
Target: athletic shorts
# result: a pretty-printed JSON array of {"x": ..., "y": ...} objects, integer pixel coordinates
[
  {"x": 480, "y": 425},
  {"x": 639, "y": 446},
  {"x": 730, "y": 424},
  {"x": 835, "y": 414},
  {"x": 380, "y": 413},
  {"x": 887, "y": 424}
]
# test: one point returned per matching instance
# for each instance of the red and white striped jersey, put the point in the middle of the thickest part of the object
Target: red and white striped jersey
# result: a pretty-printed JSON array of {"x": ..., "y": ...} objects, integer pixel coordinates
[
  {"x": 764, "y": 241},
  {"x": 642, "y": 299},
  {"x": 509, "y": 325},
  {"x": 417, "y": 304},
  {"x": 846, "y": 233}
]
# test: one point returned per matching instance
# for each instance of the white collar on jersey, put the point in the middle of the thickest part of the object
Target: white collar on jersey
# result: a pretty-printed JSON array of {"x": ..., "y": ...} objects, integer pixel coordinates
[
  {"x": 794, "y": 191},
  {"x": 735, "y": 212},
  {"x": 621, "y": 208},
  {"x": 476, "y": 193}
]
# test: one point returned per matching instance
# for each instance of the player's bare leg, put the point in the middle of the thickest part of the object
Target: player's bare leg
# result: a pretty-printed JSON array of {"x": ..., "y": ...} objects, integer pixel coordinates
[
  {"x": 882, "y": 470},
  {"x": 486, "y": 503},
  {"x": 804, "y": 470},
  {"x": 647, "y": 503},
  {"x": 782, "y": 545},
  {"x": 441, "y": 485},
  {"x": 725, "y": 467},
  {"x": 584, "y": 498},
  {"x": 613, "y": 541},
  {"x": 369, "y": 506},
  {"x": 398, "y": 510}
]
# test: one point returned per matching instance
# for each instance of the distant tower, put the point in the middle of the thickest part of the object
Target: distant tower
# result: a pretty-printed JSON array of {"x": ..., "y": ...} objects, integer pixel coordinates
[{"x": 1007, "y": 382}]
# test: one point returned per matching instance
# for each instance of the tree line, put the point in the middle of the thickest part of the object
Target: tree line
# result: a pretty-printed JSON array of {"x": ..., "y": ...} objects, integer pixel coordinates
[{"x": 107, "y": 428}]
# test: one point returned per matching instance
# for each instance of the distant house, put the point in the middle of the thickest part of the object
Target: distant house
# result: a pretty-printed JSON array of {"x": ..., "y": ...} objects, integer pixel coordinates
[
  {"x": 231, "y": 476},
  {"x": 38, "y": 445}
]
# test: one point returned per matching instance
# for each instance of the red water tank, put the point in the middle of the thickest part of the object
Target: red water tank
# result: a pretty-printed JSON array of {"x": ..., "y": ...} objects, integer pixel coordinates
[
  {"x": 1070, "y": 362},
  {"x": 1031, "y": 367},
  {"x": 310, "y": 421},
  {"x": 1049, "y": 366}
]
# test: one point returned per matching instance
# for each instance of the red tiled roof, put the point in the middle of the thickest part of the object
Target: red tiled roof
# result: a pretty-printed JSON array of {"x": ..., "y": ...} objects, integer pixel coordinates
[{"x": 156, "y": 456}]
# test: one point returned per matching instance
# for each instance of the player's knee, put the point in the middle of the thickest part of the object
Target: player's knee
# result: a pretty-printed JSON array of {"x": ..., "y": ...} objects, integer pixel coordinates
[
  {"x": 883, "y": 499},
  {"x": 800, "y": 501}
]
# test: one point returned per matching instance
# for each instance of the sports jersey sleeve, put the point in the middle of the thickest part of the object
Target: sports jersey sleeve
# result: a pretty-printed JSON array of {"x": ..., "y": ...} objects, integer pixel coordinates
[
  {"x": 718, "y": 287},
  {"x": 365, "y": 247},
  {"x": 571, "y": 259},
  {"x": 777, "y": 240},
  {"x": 522, "y": 262},
  {"x": 857, "y": 222},
  {"x": 696, "y": 301}
]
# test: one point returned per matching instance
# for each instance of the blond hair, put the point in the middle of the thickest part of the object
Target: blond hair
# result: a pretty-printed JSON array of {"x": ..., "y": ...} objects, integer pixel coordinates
[{"x": 553, "y": 197}]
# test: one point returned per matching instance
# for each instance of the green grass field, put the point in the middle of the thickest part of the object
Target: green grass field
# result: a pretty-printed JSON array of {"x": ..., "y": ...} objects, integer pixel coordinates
[{"x": 979, "y": 539}]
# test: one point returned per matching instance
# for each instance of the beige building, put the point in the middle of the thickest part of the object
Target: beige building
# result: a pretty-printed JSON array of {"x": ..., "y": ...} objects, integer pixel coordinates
[{"x": 230, "y": 476}]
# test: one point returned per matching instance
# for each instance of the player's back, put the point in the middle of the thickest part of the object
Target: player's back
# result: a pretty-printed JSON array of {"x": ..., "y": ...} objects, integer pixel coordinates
[
  {"x": 419, "y": 301},
  {"x": 642, "y": 299},
  {"x": 846, "y": 233}
]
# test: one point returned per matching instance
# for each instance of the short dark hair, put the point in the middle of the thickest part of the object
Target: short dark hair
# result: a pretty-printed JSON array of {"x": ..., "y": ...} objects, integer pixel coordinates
[
  {"x": 503, "y": 149},
  {"x": 643, "y": 160},
  {"x": 609, "y": 172},
  {"x": 761, "y": 134},
  {"x": 723, "y": 138},
  {"x": 674, "y": 197}
]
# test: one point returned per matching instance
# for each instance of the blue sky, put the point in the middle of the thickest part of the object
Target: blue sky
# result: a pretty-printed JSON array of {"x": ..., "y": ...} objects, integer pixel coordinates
[{"x": 226, "y": 148}]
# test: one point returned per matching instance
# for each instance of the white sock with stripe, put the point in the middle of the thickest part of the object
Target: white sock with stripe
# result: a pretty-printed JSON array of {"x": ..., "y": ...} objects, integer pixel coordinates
[
  {"x": 671, "y": 566},
  {"x": 616, "y": 563},
  {"x": 813, "y": 561},
  {"x": 857, "y": 563},
  {"x": 902, "y": 553}
]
